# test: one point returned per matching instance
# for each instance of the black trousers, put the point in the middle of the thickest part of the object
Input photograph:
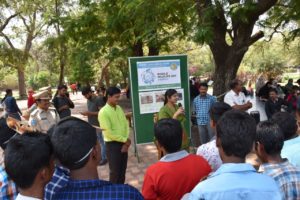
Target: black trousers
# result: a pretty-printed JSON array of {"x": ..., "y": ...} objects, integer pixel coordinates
[{"x": 117, "y": 162}]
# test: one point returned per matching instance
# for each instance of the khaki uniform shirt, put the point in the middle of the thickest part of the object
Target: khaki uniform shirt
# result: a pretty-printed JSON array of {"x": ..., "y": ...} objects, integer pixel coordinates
[{"x": 42, "y": 120}]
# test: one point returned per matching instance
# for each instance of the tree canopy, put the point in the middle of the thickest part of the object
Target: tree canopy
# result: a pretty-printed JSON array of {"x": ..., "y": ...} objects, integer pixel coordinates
[{"x": 89, "y": 41}]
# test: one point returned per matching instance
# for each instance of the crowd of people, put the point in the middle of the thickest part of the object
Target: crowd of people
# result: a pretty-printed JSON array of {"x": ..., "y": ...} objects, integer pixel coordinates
[
  {"x": 57, "y": 155},
  {"x": 278, "y": 98}
]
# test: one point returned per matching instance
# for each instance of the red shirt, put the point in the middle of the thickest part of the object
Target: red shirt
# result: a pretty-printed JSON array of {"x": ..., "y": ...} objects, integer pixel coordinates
[
  {"x": 292, "y": 98},
  {"x": 171, "y": 180},
  {"x": 30, "y": 100},
  {"x": 73, "y": 86}
]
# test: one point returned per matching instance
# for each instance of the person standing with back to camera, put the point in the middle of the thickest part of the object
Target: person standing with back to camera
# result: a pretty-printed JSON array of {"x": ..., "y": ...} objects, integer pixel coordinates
[{"x": 173, "y": 110}]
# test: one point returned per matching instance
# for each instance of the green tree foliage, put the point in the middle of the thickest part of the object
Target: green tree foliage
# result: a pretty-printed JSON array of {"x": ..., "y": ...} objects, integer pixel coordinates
[
  {"x": 267, "y": 59},
  {"x": 43, "y": 67},
  {"x": 57, "y": 44},
  {"x": 272, "y": 58},
  {"x": 9, "y": 58},
  {"x": 86, "y": 42},
  {"x": 90, "y": 40},
  {"x": 200, "y": 60},
  {"x": 227, "y": 27},
  {"x": 81, "y": 69},
  {"x": 150, "y": 23},
  {"x": 284, "y": 18},
  {"x": 29, "y": 15},
  {"x": 42, "y": 79}
]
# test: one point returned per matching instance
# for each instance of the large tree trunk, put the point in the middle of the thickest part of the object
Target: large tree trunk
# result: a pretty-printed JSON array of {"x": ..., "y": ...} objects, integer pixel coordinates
[
  {"x": 62, "y": 62},
  {"x": 138, "y": 48},
  {"x": 31, "y": 34},
  {"x": 61, "y": 73},
  {"x": 227, "y": 62},
  {"x": 125, "y": 80},
  {"x": 21, "y": 69},
  {"x": 223, "y": 75},
  {"x": 228, "y": 55},
  {"x": 153, "y": 51},
  {"x": 21, "y": 83},
  {"x": 104, "y": 75},
  {"x": 62, "y": 46}
]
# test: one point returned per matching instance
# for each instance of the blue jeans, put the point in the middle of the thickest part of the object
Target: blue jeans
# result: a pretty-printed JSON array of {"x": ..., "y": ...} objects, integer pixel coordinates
[
  {"x": 205, "y": 133},
  {"x": 102, "y": 144}
]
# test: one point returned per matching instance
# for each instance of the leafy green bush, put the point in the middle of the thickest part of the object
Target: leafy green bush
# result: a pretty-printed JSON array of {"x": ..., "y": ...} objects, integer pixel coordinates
[
  {"x": 42, "y": 79},
  {"x": 10, "y": 81}
]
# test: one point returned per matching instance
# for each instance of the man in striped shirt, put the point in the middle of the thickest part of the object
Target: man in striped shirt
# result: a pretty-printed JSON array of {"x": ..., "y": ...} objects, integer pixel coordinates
[{"x": 269, "y": 142}]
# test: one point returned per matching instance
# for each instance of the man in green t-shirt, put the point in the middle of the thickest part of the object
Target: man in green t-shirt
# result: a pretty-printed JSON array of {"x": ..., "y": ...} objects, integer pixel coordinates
[{"x": 116, "y": 135}]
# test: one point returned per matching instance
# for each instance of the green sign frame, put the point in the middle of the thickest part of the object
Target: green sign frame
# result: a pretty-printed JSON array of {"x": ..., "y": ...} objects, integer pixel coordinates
[{"x": 143, "y": 118}]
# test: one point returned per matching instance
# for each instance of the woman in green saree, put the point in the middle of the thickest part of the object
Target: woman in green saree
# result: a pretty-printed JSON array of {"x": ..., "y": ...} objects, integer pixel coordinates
[{"x": 172, "y": 110}]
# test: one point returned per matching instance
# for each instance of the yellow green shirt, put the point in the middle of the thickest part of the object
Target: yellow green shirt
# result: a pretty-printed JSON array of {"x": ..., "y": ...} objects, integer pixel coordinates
[{"x": 114, "y": 124}]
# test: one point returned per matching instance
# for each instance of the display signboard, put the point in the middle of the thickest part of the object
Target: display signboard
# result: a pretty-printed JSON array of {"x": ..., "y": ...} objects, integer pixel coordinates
[{"x": 150, "y": 77}]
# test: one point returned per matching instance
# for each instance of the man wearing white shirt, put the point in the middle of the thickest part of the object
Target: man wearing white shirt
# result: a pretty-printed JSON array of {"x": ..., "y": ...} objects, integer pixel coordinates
[{"x": 236, "y": 98}]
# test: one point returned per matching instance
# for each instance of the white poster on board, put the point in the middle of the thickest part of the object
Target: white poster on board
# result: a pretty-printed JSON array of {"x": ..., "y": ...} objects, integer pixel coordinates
[
  {"x": 151, "y": 102},
  {"x": 155, "y": 75}
]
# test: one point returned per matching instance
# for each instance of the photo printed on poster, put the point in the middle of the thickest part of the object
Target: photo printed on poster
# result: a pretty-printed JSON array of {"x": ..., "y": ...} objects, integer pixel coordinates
[{"x": 152, "y": 101}]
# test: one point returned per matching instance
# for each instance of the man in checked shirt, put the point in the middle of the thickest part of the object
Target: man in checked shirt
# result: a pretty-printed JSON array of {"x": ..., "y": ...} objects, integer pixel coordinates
[
  {"x": 269, "y": 142},
  {"x": 202, "y": 105}
]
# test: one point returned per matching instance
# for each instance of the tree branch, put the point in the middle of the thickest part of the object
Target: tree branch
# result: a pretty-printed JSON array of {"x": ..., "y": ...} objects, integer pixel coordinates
[
  {"x": 262, "y": 6},
  {"x": 39, "y": 29},
  {"x": 201, "y": 6},
  {"x": 255, "y": 37},
  {"x": 275, "y": 29},
  {"x": 233, "y": 1},
  {"x": 283, "y": 5},
  {"x": 7, "y": 40},
  {"x": 229, "y": 31},
  {"x": 2, "y": 27},
  {"x": 272, "y": 34},
  {"x": 25, "y": 23},
  {"x": 220, "y": 25}
]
